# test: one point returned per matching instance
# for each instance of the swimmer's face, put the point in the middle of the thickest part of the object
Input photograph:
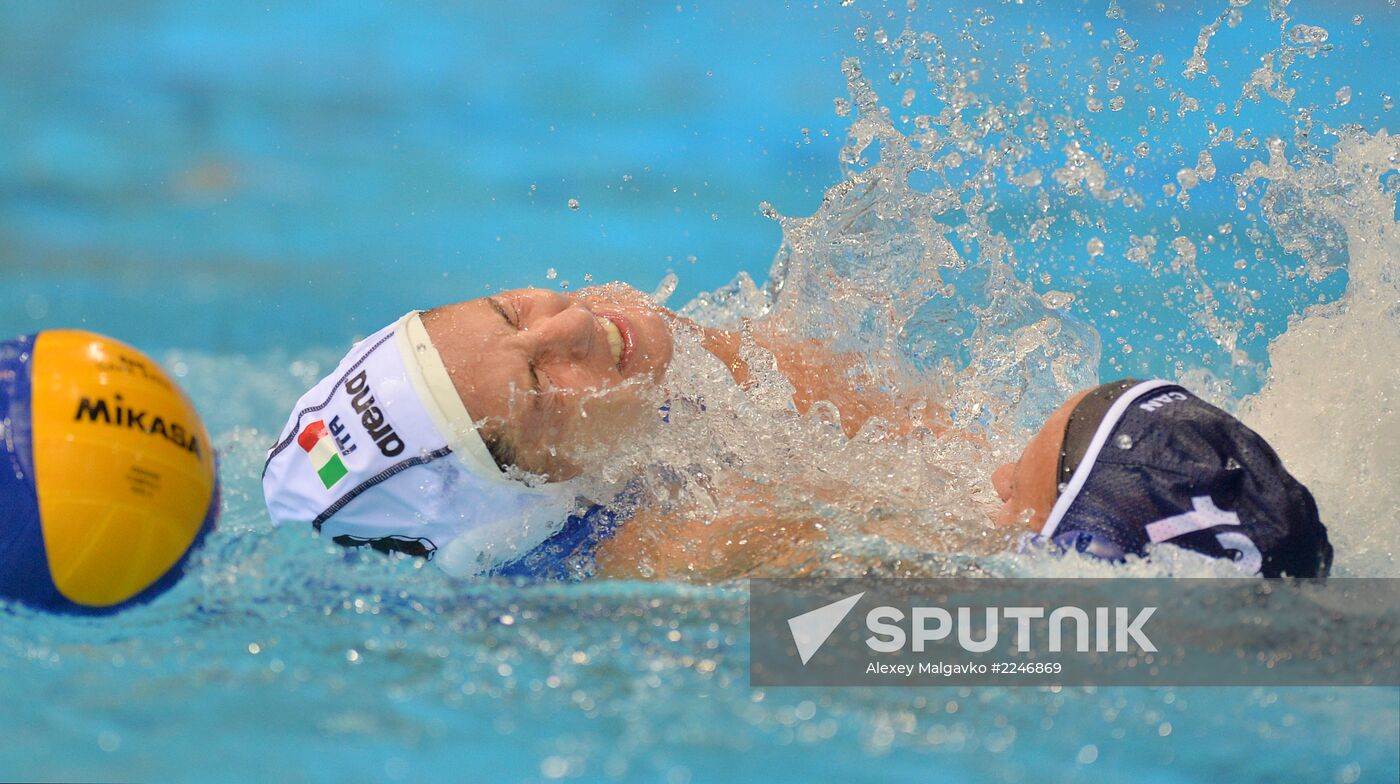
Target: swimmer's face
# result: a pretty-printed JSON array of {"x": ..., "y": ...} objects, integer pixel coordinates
[
  {"x": 552, "y": 376},
  {"x": 1028, "y": 486}
]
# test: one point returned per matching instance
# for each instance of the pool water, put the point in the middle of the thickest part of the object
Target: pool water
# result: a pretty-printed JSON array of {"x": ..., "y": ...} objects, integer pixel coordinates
[{"x": 243, "y": 191}]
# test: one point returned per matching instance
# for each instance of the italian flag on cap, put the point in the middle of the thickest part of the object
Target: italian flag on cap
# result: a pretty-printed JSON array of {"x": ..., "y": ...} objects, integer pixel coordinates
[{"x": 325, "y": 457}]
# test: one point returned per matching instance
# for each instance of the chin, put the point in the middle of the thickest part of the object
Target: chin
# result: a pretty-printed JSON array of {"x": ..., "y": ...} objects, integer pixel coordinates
[
  {"x": 661, "y": 350},
  {"x": 648, "y": 342}
]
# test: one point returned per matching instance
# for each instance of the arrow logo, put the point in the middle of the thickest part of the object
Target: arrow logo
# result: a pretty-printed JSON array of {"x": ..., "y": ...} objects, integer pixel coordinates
[{"x": 810, "y": 630}]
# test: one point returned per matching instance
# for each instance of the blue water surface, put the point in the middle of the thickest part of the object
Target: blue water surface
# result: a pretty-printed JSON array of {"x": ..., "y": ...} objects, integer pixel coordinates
[{"x": 243, "y": 188}]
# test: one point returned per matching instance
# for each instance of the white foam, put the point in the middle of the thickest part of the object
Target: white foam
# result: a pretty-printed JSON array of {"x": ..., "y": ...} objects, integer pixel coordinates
[{"x": 1331, "y": 406}]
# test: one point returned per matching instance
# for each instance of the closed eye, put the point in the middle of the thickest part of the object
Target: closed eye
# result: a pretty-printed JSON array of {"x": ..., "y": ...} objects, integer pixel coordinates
[
  {"x": 535, "y": 385},
  {"x": 506, "y": 317},
  {"x": 535, "y": 377}
]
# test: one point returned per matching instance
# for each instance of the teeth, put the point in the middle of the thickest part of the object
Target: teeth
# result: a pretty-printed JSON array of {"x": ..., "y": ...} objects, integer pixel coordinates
[{"x": 614, "y": 339}]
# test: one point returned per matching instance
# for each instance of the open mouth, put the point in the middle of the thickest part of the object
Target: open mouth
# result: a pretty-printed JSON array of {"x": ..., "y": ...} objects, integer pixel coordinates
[{"x": 620, "y": 340}]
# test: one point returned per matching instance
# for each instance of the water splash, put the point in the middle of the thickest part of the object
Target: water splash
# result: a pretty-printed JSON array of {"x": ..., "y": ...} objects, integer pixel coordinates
[
  {"x": 918, "y": 265},
  {"x": 1331, "y": 405}
]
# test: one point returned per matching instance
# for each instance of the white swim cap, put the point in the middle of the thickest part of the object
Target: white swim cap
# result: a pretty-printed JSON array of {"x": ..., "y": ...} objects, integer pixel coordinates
[{"x": 383, "y": 451}]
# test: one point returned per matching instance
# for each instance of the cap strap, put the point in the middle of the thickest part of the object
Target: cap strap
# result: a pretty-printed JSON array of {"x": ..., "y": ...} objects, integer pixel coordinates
[
  {"x": 426, "y": 371},
  {"x": 1091, "y": 454},
  {"x": 1083, "y": 422}
]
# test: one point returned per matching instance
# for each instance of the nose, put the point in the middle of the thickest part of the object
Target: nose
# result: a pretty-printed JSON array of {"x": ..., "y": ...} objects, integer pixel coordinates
[{"x": 571, "y": 334}]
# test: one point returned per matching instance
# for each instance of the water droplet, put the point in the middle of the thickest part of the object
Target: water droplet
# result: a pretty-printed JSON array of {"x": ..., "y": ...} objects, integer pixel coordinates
[
  {"x": 554, "y": 767},
  {"x": 1344, "y": 96},
  {"x": 573, "y": 204},
  {"x": 1095, "y": 246},
  {"x": 551, "y": 273},
  {"x": 36, "y": 306},
  {"x": 1308, "y": 34},
  {"x": 1205, "y": 166},
  {"x": 1061, "y": 487},
  {"x": 1232, "y": 465},
  {"x": 109, "y": 741},
  {"x": 665, "y": 288},
  {"x": 1123, "y": 441}
]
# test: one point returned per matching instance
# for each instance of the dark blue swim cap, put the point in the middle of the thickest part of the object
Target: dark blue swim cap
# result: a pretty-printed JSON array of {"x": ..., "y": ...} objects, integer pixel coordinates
[{"x": 1147, "y": 462}]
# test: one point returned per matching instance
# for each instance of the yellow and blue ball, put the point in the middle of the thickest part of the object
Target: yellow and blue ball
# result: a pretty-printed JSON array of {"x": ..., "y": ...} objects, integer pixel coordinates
[{"x": 107, "y": 476}]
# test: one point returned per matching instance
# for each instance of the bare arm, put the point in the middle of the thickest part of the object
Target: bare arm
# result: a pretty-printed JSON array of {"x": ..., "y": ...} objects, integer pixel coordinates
[
  {"x": 818, "y": 373},
  {"x": 750, "y": 535}
]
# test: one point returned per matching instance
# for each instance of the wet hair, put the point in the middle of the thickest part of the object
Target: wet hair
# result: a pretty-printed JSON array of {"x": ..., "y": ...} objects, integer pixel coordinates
[
  {"x": 502, "y": 449},
  {"x": 1082, "y": 423}
]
